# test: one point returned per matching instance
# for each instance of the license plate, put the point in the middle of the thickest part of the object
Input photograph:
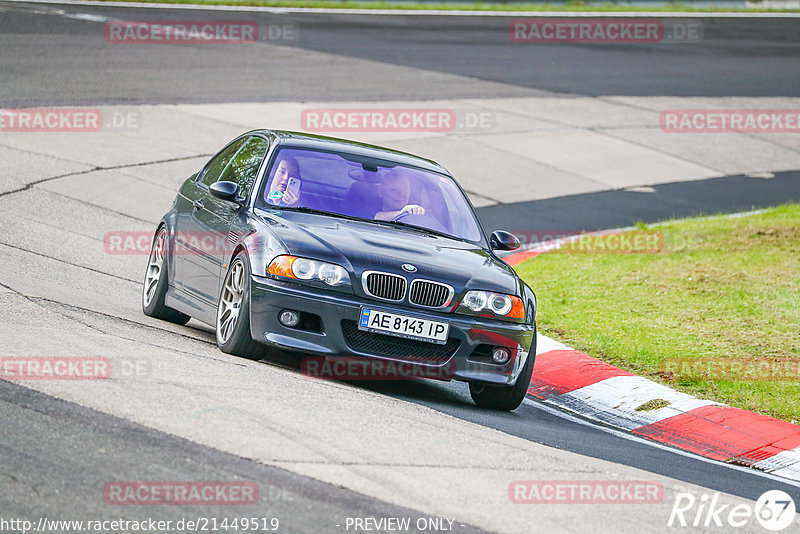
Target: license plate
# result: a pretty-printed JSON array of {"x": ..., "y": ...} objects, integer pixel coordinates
[{"x": 403, "y": 326}]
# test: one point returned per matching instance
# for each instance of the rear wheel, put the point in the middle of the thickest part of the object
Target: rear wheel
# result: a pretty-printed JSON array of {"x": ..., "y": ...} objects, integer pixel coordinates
[
  {"x": 233, "y": 312},
  {"x": 503, "y": 397},
  {"x": 156, "y": 283}
]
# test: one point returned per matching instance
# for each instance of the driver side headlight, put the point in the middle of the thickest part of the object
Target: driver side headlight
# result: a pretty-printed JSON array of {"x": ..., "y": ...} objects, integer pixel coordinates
[{"x": 287, "y": 266}]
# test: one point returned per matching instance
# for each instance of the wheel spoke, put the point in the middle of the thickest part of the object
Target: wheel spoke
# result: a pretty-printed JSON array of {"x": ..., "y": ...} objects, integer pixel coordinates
[
  {"x": 236, "y": 278},
  {"x": 154, "y": 268},
  {"x": 150, "y": 287},
  {"x": 230, "y": 302}
]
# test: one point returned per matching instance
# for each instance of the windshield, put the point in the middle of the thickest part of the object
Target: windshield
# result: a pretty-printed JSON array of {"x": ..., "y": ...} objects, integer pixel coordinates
[{"x": 355, "y": 186}]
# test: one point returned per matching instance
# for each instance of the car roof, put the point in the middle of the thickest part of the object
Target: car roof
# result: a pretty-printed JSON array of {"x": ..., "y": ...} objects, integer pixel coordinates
[{"x": 321, "y": 142}]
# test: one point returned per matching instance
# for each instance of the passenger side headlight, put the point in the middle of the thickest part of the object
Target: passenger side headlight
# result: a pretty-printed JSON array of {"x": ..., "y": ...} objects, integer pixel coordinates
[{"x": 499, "y": 304}]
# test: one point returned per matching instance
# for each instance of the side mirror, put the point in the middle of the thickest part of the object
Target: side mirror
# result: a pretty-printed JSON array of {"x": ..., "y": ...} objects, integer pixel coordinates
[
  {"x": 225, "y": 191},
  {"x": 501, "y": 240}
]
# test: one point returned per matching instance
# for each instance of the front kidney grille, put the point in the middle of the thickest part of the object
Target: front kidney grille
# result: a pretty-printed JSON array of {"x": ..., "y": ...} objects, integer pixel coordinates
[
  {"x": 430, "y": 294},
  {"x": 384, "y": 286},
  {"x": 398, "y": 348}
]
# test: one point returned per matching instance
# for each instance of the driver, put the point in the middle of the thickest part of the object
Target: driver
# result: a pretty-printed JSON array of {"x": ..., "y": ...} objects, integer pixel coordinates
[
  {"x": 279, "y": 195},
  {"x": 395, "y": 190}
]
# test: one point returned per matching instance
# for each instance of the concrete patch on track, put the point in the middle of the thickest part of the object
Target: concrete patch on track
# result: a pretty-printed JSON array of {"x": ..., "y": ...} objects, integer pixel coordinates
[
  {"x": 62, "y": 439},
  {"x": 501, "y": 150},
  {"x": 119, "y": 191},
  {"x": 21, "y": 168}
]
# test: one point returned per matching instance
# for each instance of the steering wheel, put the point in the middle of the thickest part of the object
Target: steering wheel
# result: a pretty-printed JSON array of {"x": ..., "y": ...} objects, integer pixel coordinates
[
  {"x": 423, "y": 221},
  {"x": 401, "y": 215}
]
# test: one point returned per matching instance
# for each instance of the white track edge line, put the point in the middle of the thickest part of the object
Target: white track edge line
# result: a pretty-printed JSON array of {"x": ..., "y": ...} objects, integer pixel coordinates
[{"x": 422, "y": 12}]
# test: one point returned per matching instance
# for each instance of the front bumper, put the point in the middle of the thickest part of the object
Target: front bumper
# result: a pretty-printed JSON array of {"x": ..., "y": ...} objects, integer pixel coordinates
[{"x": 462, "y": 358}]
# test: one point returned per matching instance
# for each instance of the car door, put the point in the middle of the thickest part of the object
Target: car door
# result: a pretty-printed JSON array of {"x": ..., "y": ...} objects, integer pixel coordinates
[
  {"x": 192, "y": 196},
  {"x": 209, "y": 223}
]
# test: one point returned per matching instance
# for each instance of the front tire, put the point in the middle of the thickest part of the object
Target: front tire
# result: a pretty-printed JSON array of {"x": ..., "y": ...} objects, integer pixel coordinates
[
  {"x": 504, "y": 398},
  {"x": 156, "y": 283},
  {"x": 233, "y": 312}
]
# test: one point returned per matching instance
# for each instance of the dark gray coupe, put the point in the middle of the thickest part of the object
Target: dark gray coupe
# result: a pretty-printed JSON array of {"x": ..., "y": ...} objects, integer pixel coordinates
[{"x": 344, "y": 251}]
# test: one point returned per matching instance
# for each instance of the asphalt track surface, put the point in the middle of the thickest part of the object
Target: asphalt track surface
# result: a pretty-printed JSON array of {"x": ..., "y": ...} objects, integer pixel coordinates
[
  {"x": 56, "y": 59},
  {"x": 67, "y": 452},
  {"x": 621, "y": 208},
  {"x": 49, "y": 59}
]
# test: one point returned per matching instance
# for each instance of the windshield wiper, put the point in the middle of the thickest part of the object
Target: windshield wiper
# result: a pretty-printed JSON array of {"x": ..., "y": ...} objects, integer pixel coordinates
[
  {"x": 420, "y": 229},
  {"x": 303, "y": 209}
]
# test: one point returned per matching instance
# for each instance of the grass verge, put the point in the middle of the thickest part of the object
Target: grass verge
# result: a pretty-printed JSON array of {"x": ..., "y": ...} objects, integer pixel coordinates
[
  {"x": 715, "y": 314},
  {"x": 577, "y": 5}
]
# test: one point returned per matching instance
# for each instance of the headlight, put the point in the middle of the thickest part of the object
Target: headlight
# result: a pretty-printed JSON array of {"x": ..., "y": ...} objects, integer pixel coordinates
[
  {"x": 475, "y": 300},
  {"x": 305, "y": 269},
  {"x": 498, "y": 303},
  {"x": 331, "y": 274}
]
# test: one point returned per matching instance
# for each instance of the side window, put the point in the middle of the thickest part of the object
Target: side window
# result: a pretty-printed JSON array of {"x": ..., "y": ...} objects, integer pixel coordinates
[
  {"x": 219, "y": 163},
  {"x": 243, "y": 168}
]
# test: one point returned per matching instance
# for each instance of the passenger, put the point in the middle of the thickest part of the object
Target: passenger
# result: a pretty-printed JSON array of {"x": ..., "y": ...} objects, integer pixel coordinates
[
  {"x": 280, "y": 194},
  {"x": 395, "y": 191}
]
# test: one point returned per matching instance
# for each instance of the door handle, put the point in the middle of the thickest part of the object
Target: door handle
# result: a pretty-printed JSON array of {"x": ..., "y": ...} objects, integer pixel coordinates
[{"x": 198, "y": 204}]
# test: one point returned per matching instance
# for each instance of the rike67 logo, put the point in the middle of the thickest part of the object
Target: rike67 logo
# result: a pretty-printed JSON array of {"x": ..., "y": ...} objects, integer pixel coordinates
[{"x": 774, "y": 510}]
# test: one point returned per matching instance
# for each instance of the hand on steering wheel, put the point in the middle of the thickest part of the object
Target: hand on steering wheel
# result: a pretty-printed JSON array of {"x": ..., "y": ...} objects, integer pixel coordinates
[{"x": 410, "y": 209}]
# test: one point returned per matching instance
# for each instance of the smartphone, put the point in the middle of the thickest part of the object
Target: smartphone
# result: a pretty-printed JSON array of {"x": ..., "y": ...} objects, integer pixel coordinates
[{"x": 294, "y": 187}]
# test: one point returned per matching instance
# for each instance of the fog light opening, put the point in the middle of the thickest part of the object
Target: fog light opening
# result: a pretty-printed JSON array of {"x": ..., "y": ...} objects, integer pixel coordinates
[
  {"x": 289, "y": 318},
  {"x": 501, "y": 355}
]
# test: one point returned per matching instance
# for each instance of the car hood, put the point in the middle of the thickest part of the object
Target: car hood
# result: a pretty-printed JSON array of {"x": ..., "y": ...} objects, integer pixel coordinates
[{"x": 364, "y": 246}]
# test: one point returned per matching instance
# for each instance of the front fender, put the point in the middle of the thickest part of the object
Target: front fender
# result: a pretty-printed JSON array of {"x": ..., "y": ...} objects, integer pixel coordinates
[
  {"x": 260, "y": 248},
  {"x": 529, "y": 297},
  {"x": 169, "y": 221}
]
